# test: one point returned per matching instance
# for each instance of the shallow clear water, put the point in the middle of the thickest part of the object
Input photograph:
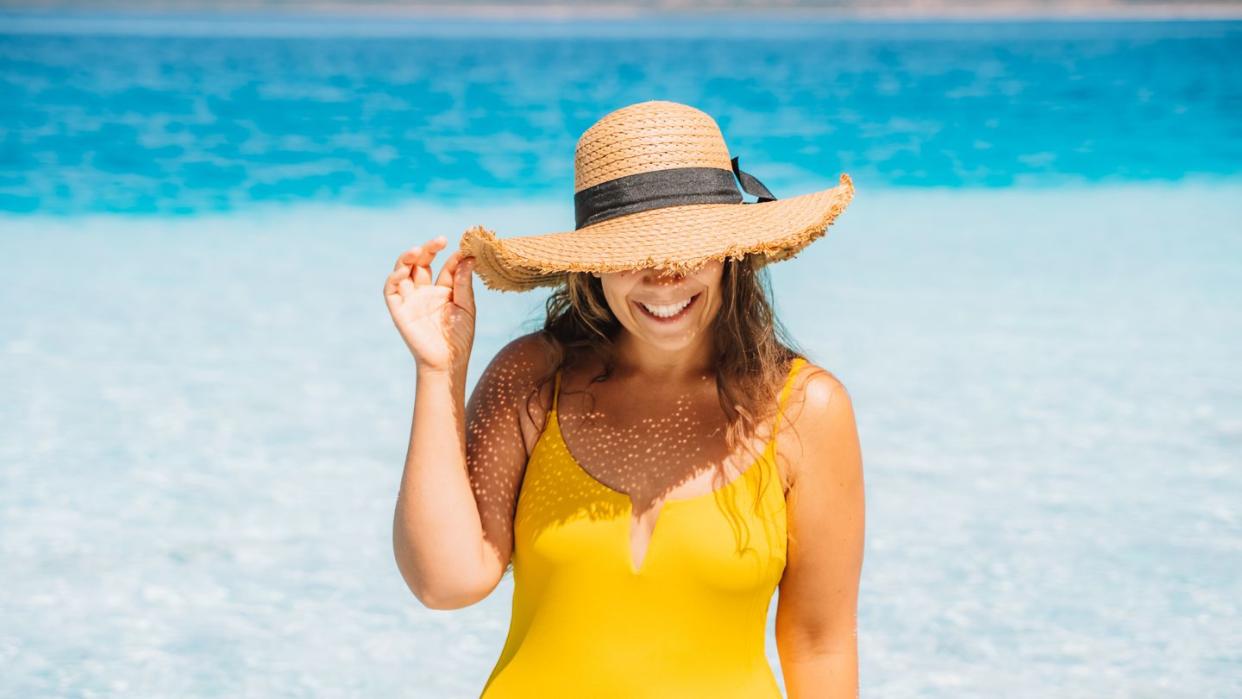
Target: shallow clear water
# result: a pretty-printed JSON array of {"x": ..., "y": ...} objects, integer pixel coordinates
[{"x": 204, "y": 415}]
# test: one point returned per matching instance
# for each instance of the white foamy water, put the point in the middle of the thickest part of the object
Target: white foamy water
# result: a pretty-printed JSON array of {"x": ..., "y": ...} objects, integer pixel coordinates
[{"x": 203, "y": 422}]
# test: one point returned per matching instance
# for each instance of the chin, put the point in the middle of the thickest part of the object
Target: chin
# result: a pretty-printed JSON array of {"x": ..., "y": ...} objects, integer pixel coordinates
[
  {"x": 667, "y": 346},
  {"x": 682, "y": 340}
]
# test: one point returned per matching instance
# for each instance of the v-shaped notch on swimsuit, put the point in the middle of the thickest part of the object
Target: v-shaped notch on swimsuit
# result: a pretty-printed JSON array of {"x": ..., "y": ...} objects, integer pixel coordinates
[{"x": 640, "y": 539}]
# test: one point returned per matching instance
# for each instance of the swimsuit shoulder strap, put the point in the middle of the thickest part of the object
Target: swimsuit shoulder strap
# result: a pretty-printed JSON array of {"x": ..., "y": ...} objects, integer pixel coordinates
[
  {"x": 796, "y": 364},
  {"x": 556, "y": 389}
]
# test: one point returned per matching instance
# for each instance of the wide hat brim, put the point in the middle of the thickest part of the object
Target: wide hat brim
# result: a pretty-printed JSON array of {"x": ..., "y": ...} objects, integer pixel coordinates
[{"x": 673, "y": 238}]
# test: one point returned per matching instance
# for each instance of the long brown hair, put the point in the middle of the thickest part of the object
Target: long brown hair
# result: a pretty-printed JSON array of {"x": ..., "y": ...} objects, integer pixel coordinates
[{"x": 753, "y": 350}]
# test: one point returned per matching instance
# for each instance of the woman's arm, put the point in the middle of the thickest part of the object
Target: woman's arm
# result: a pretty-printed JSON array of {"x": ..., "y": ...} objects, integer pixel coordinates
[
  {"x": 816, "y": 617},
  {"x": 463, "y": 462},
  {"x": 453, "y": 525}
]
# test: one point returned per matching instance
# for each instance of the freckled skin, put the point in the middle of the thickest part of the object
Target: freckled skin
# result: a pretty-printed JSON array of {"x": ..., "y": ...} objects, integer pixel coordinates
[{"x": 657, "y": 419}]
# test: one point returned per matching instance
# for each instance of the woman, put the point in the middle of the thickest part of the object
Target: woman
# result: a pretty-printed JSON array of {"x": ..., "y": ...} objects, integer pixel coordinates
[{"x": 654, "y": 462}]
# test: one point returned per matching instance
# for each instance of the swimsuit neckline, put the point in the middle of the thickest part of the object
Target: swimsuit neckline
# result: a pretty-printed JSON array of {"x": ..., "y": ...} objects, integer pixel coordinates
[{"x": 555, "y": 424}]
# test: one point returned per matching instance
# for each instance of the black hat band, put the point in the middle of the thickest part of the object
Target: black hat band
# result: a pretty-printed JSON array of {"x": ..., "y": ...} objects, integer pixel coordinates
[{"x": 660, "y": 188}]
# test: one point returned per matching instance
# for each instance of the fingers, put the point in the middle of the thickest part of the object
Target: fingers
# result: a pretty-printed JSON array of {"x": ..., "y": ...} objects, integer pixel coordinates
[
  {"x": 420, "y": 255},
  {"x": 391, "y": 284},
  {"x": 427, "y": 252},
  {"x": 415, "y": 265},
  {"x": 463, "y": 289},
  {"x": 422, "y": 260},
  {"x": 399, "y": 273},
  {"x": 455, "y": 275},
  {"x": 451, "y": 263},
  {"x": 405, "y": 258}
]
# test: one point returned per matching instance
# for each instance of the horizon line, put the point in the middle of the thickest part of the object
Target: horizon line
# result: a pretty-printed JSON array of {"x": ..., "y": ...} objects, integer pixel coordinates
[{"x": 1026, "y": 10}]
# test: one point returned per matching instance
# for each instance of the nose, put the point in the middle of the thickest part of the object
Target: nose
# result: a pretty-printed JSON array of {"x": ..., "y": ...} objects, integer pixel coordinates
[{"x": 662, "y": 277}]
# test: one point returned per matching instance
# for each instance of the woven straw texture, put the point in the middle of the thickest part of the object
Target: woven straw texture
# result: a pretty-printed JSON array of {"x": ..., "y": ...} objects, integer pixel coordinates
[{"x": 643, "y": 137}]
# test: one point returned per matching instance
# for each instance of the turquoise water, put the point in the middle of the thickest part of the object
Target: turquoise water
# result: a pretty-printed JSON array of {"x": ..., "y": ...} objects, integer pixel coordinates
[
  {"x": 205, "y": 406},
  {"x": 212, "y": 121}
]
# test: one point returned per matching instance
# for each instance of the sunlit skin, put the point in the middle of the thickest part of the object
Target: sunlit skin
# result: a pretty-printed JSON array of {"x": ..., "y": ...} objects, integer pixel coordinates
[{"x": 654, "y": 431}]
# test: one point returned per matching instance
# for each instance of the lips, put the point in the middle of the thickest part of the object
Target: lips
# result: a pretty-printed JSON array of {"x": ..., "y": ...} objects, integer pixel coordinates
[{"x": 667, "y": 319}]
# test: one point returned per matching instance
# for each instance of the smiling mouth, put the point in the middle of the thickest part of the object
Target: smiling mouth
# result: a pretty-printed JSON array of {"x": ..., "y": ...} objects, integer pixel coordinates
[{"x": 670, "y": 313}]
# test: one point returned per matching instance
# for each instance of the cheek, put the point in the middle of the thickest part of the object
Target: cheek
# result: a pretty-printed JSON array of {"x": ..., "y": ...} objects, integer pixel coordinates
[
  {"x": 617, "y": 301},
  {"x": 717, "y": 290},
  {"x": 713, "y": 308},
  {"x": 714, "y": 294},
  {"x": 617, "y": 285},
  {"x": 620, "y": 307}
]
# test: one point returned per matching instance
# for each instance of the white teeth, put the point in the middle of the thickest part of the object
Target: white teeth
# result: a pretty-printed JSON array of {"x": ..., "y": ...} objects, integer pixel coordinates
[{"x": 667, "y": 311}]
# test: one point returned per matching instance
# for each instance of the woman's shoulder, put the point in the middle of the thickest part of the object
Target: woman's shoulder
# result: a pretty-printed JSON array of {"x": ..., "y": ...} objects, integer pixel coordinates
[
  {"x": 521, "y": 364},
  {"x": 819, "y": 408},
  {"x": 531, "y": 353},
  {"x": 515, "y": 379},
  {"x": 815, "y": 386}
]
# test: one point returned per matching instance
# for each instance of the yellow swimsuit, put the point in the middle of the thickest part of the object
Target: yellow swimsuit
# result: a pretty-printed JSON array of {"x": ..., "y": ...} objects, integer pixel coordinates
[{"x": 689, "y": 622}]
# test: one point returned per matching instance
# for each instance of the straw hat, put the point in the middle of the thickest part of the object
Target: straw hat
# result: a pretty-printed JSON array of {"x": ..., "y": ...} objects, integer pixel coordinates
[{"x": 654, "y": 187}]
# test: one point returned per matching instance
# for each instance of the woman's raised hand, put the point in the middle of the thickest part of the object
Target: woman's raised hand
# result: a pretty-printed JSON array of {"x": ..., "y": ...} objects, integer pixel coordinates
[{"x": 436, "y": 319}]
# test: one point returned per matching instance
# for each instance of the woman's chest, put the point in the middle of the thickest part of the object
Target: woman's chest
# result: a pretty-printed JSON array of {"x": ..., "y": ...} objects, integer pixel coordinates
[{"x": 731, "y": 538}]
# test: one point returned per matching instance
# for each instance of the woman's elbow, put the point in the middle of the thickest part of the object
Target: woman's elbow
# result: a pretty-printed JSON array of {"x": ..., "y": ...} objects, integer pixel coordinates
[
  {"x": 450, "y": 599},
  {"x": 445, "y": 593}
]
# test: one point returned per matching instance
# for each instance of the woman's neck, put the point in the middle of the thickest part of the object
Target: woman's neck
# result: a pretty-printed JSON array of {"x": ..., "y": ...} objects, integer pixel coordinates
[{"x": 636, "y": 359}]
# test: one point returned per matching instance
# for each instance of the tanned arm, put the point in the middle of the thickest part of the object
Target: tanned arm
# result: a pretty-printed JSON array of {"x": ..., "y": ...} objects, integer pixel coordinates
[
  {"x": 816, "y": 617},
  {"x": 452, "y": 525}
]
